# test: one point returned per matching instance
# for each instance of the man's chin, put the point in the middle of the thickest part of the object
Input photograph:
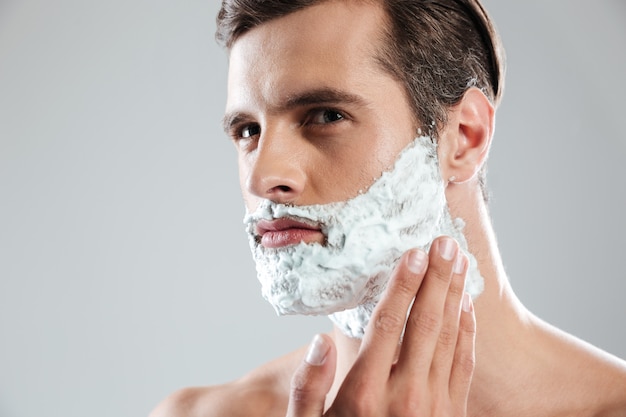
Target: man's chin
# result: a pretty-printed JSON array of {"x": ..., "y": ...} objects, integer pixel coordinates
[
  {"x": 287, "y": 306},
  {"x": 353, "y": 322}
]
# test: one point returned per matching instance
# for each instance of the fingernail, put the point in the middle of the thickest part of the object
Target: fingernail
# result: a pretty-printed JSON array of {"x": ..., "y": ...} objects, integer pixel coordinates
[
  {"x": 447, "y": 248},
  {"x": 317, "y": 352},
  {"x": 417, "y": 261},
  {"x": 459, "y": 264},
  {"x": 468, "y": 306}
]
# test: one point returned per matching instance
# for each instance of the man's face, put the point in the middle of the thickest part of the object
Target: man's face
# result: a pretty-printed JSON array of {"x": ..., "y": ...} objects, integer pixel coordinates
[
  {"x": 319, "y": 128},
  {"x": 314, "y": 117}
]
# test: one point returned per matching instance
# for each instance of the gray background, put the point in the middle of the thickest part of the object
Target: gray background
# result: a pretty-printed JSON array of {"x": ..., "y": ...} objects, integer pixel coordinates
[{"x": 124, "y": 269}]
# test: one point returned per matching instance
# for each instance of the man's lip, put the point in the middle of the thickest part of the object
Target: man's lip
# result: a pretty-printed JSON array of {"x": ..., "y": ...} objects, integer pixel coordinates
[
  {"x": 278, "y": 225},
  {"x": 279, "y": 233}
]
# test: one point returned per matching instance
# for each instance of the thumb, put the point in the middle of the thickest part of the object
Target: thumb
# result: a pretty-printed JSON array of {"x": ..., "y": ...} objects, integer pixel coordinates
[{"x": 313, "y": 379}]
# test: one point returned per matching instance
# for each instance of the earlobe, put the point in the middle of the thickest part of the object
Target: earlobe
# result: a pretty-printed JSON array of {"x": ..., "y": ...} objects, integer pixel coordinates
[{"x": 467, "y": 137}]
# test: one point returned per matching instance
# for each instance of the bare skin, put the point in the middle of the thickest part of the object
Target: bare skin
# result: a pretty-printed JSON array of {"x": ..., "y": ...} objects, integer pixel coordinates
[{"x": 325, "y": 149}]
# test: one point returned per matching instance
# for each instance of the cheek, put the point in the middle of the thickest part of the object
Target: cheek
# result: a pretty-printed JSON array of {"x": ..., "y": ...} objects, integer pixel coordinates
[
  {"x": 338, "y": 173},
  {"x": 249, "y": 200},
  {"x": 366, "y": 163}
]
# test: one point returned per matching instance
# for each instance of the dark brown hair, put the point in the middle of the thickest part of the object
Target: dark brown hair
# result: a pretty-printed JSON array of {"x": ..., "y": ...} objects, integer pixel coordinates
[{"x": 438, "y": 49}]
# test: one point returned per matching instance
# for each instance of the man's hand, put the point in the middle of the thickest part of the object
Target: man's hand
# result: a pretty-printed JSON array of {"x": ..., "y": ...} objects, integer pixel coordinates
[{"x": 431, "y": 374}]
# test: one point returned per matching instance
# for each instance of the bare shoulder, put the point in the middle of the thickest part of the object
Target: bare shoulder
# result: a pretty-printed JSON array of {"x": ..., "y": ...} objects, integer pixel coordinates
[
  {"x": 590, "y": 379},
  {"x": 262, "y": 392},
  {"x": 607, "y": 382},
  {"x": 231, "y": 399}
]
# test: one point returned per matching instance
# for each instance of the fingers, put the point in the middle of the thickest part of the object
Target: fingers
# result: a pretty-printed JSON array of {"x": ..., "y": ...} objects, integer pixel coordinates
[
  {"x": 464, "y": 357},
  {"x": 312, "y": 380},
  {"x": 380, "y": 344},
  {"x": 434, "y": 367},
  {"x": 432, "y": 324},
  {"x": 447, "y": 342}
]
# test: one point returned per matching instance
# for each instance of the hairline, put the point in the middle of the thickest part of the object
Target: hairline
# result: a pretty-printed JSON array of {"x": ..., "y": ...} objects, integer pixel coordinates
[{"x": 381, "y": 53}]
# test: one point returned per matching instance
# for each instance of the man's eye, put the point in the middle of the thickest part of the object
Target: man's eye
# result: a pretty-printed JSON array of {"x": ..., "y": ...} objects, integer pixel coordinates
[
  {"x": 325, "y": 116},
  {"x": 249, "y": 131}
]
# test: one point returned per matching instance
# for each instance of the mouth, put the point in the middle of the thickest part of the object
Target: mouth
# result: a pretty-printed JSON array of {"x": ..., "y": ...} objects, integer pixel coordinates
[{"x": 283, "y": 232}]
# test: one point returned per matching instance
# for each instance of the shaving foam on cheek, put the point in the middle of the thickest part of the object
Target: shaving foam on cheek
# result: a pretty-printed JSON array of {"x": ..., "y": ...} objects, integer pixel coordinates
[{"x": 366, "y": 235}]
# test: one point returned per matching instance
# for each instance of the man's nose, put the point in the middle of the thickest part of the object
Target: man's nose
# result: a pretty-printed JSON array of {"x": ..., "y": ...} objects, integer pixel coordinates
[{"x": 276, "y": 172}]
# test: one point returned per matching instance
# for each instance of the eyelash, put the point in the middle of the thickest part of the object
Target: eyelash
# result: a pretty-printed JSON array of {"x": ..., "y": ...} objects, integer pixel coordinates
[
  {"x": 238, "y": 131},
  {"x": 324, "y": 112}
]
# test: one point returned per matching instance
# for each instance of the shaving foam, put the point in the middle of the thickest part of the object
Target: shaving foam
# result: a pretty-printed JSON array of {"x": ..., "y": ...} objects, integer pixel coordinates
[{"x": 365, "y": 237}]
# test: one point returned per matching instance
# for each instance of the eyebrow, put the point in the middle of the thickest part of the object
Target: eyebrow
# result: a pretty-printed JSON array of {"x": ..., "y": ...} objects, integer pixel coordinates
[{"x": 321, "y": 96}]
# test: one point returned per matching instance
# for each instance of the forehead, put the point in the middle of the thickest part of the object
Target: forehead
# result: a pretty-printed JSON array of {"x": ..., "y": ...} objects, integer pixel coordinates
[{"x": 332, "y": 44}]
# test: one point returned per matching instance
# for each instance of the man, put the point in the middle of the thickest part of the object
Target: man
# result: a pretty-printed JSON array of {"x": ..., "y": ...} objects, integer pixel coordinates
[{"x": 325, "y": 101}]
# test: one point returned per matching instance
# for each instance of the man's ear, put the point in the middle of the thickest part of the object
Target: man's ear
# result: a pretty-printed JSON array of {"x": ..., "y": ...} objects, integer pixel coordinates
[{"x": 465, "y": 141}]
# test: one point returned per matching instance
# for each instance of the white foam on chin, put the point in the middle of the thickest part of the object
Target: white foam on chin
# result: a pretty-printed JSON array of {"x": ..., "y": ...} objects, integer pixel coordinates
[{"x": 366, "y": 235}]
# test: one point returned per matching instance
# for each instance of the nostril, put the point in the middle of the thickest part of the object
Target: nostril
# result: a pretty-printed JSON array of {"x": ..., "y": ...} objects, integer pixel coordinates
[
  {"x": 274, "y": 184},
  {"x": 281, "y": 194},
  {"x": 283, "y": 188}
]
